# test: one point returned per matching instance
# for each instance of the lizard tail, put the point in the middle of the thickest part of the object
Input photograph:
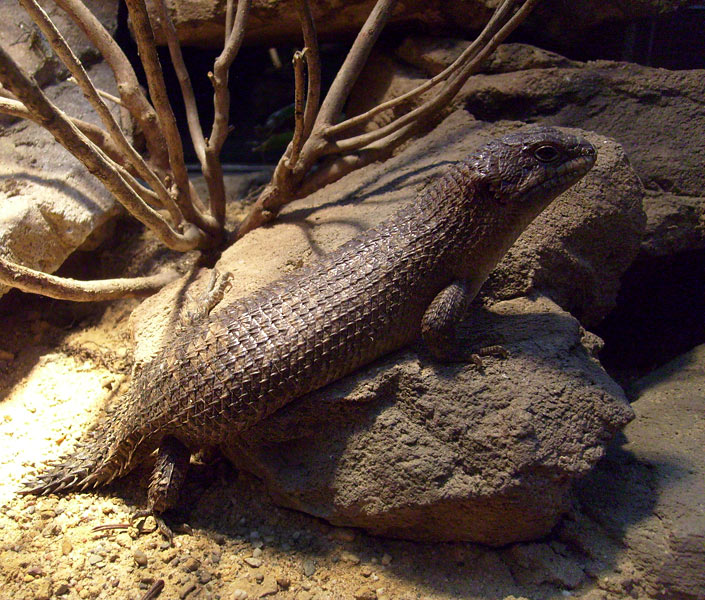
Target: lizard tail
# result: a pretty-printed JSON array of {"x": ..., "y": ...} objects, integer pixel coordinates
[{"x": 94, "y": 462}]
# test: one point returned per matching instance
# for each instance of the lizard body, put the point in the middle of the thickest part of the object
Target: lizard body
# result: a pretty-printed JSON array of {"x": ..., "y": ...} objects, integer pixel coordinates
[{"x": 414, "y": 274}]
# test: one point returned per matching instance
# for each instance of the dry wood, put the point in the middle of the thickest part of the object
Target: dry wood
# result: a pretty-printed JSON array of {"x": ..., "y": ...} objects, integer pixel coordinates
[
  {"x": 325, "y": 146},
  {"x": 63, "y": 288},
  {"x": 98, "y": 163}
]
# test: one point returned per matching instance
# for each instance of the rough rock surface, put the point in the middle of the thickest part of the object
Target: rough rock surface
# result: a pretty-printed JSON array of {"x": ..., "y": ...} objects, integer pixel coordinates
[
  {"x": 654, "y": 477},
  {"x": 22, "y": 39},
  {"x": 674, "y": 224},
  {"x": 651, "y": 112},
  {"x": 531, "y": 473},
  {"x": 49, "y": 203},
  {"x": 200, "y": 22},
  {"x": 417, "y": 450}
]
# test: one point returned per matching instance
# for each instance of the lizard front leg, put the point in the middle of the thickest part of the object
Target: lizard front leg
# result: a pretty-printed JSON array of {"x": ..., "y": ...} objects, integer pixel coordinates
[{"x": 441, "y": 320}]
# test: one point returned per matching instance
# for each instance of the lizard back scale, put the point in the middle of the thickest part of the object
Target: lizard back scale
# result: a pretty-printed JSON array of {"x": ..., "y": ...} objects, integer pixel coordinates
[{"x": 413, "y": 274}]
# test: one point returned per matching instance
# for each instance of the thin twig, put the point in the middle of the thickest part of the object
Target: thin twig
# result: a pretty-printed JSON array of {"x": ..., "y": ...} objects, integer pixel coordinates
[
  {"x": 299, "y": 99},
  {"x": 59, "y": 125},
  {"x": 354, "y": 62},
  {"x": 313, "y": 66},
  {"x": 144, "y": 36},
  {"x": 127, "y": 83},
  {"x": 411, "y": 121},
  {"x": 154, "y": 591},
  {"x": 177, "y": 59},
  {"x": 212, "y": 168},
  {"x": 229, "y": 18},
  {"x": 109, "y": 96},
  {"x": 63, "y": 288},
  {"x": 467, "y": 54},
  {"x": 72, "y": 63}
]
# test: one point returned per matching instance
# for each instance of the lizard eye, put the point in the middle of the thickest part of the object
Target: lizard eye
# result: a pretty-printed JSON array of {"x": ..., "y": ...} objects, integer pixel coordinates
[{"x": 546, "y": 153}]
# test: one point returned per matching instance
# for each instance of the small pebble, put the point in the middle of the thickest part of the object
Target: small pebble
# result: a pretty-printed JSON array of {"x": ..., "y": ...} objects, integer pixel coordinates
[
  {"x": 240, "y": 594},
  {"x": 140, "y": 558},
  {"x": 386, "y": 560},
  {"x": 366, "y": 570},
  {"x": 365, "y": 593},
  {"x": 254, "y": 562},
  {"x": 66, "y": 546},
  {"x": 61, "y": 589},
  {"x": 350, "y": 557},
  {"x": 168, "y": 555},
  {"x": 269, "y": 587},
  {"x": 187, "y": 588},
  {"x": 43, "y": 591},
  {"x": 309, "y": 567},
  {"x": 190, "y": 564},
  {"x": 283, "y": 582},
  {"x": 219, "y": 538}
]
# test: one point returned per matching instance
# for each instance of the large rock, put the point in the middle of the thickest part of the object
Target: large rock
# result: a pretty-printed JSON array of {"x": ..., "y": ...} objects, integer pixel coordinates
[
  {"x": 649, "y": 492},
  {"x": 651, "y": 112},
  {"x": 413, "y": 449},
  {"x": 49, "y": 203},
  {"x": 200, "y": 22},
  {"x": 487, "y": 447},
  {"x": 23, "y": 40}
]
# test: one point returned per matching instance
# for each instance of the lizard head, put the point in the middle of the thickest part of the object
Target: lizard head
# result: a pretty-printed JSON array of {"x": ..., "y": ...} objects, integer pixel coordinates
[{"x": 533, "y": 166}]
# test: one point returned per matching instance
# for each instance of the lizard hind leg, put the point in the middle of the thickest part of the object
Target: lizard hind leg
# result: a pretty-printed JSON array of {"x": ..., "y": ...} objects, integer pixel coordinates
[{"x": 168, "y": 476}]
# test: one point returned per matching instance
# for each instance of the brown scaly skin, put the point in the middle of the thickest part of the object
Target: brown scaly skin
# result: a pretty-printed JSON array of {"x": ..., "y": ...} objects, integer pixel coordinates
[{"x": 413, "y": 274}]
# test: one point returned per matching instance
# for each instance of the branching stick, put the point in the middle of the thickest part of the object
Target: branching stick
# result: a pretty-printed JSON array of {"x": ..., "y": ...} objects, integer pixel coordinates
[{"x": 63, "y": 288}]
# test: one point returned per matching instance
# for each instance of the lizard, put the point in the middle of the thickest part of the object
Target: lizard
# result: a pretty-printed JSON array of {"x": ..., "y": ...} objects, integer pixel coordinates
[{"x": 413, "y": 275}]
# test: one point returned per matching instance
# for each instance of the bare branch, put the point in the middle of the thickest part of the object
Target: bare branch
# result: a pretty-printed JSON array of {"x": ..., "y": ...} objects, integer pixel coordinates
[
  {"x": 470, "y": 52},
  {"x": 58, "y": 124},
  {"x": 219, "y": 77},
  {"x": 229, "y": 18},
  {"x": 354, "y": 62},
  {"x": 177, "y": 59},
  {"x": 144, "y": 36},
  {"x": 61, "y": 288},
  {"x": 94, "y": 133},
  {"x": 294, "y": 181},
  {"x": 299, "y": 95},
  {"x": 212, "y": 169},
  {"x": 128, "y": 86},
  {"x": 449, "y": 90},
  {"x": 313, "y": 66},
  {"x": 71, "y": 61}
]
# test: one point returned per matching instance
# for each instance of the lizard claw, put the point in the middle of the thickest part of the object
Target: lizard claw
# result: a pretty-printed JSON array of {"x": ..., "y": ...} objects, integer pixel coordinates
[{"x": 160, "y": 524}]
